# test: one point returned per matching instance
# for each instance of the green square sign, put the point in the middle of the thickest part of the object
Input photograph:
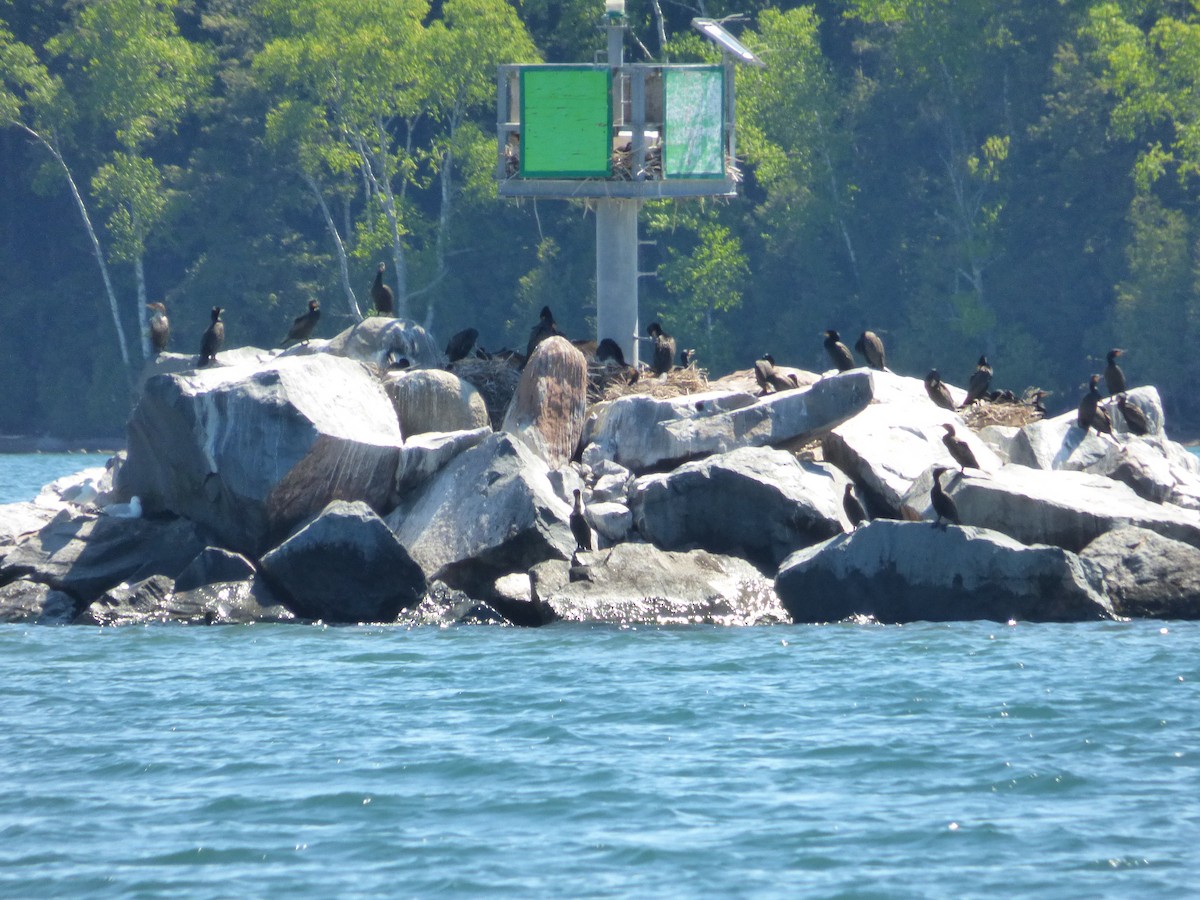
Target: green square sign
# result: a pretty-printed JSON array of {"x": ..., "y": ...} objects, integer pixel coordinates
[{"x": 566, "y": 122}]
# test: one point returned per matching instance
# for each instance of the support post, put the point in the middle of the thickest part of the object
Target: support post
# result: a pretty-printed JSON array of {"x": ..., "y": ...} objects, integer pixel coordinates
[{"x": 616, "y": 274}]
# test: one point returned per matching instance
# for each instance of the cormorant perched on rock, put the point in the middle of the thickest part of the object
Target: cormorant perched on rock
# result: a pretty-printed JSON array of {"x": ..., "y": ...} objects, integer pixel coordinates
[
  {"x": 381, "y": 294},
  {"x": 870, "y": 347},
  {"x": 664, "y": 349},
  {"x": 853, "y": 509},
  {"x": 214, "y": 337},
  {"x": 687, "y": 357},
  {"x": 959, "y": 449},
  {"x": 1091, "y": 413},
  {"x": 768, "y": 379},
  {"x": 579, "y": 526},
  {"x": 542, "y": 330},
  {"x": 1137, "y": 420},
  {"x": 943, "y": 503},
  {"x": 938, "y": 392},
  {"x": 1114, "y": 378},
  {"x": 160, "y": 327},
  {"x": 1034, "y": 398},
  {"x": 981, "y": 379},
  {"x": 461, "y": 344},
  {"x": 302, "y": 326},
  {"x": 838, "y": 352},
  {"x": 610, "y": 349}
]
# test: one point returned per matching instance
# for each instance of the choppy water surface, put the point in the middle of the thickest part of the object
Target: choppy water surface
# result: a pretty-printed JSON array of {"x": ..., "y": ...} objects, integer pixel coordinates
[{"x": 964, "y": 759}]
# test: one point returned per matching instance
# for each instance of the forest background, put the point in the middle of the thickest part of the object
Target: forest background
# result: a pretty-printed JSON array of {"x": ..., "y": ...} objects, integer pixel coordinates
[{"x": 1011, "y": 177}]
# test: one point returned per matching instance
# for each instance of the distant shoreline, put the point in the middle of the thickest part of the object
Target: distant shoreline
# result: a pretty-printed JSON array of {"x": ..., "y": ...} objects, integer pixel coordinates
[{"x": 30, "y": 443}]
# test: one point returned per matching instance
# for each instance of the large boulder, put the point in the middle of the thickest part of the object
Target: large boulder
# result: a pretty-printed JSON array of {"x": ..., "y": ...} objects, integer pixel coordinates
[
  {"x": 345, "y": 566},
  {"x": 639, "y": 584},
  {"x": 1064, "y": 508},
  {"x": 547, "y": 410},
  {"x": 1148, "y": 575},
  {"x": 85, "y": 555},
  {"x": 20, "y": 519},
  {"x": 434, "y": 400},
  {"x": 1059, "y": 442},
  {"x": 718, "y": 423},
  {"x": 376, "y": 338},
  {"x": 33, "y": 603},
  {"x": 251, "y": 452},
  {"x": 909, "y": 571},
  {"x": 156, "y": 600},
  {"x": 755, "y": 502},
  {"x": 425, "y": 455},
  {"x": 491, "y": 511}
]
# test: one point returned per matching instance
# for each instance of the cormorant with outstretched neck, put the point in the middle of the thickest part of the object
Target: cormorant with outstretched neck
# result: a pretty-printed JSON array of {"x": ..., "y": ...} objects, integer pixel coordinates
[
  {"x": 981, "y": 379},
  {"x": 579, "y": 526},
  {"x": 1114, "y": 378},
  {"x": 160, "y": 327},
  {"x": 937, "y": 391},
  {"x": 1135, "y": 418},
  {"x": 768, "y": 379},
  {"x": 853, "y": 509},
  {"x": 838, "y": 352},
  {"x": 545, "y": 328},
  {"x": 870, "y": 347},
  {"x": 959, "y": 449},
  {"x": 214, "y": 337},
  {"x": 943, "y": 504},
  {"x": 1091, "y": 413},
  {"x": 381, "y": 294},
  {"x": 302, "y": 326},
  {"x": 663, "y": 359},
  {"x": 461, "y": 344}
]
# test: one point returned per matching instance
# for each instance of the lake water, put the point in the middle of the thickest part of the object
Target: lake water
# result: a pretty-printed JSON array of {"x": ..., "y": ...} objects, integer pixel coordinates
[{"x": 968, "y": 759}]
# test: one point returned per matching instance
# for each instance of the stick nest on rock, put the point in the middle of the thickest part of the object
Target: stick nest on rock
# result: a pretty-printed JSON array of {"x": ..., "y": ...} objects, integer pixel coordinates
[
  {"x": 612, "y": 382},
  {"x": 982, "y": 413}
]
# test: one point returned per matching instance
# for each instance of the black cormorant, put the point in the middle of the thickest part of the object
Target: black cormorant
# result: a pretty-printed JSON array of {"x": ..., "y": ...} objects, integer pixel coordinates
[
  {"x": 461, "y": 344},
  {"x": 664, "y": 349},
  {"x": 302, "y": 326},
  {"x": 381, "y": 294},
  {"x": 160, "y": 327},
  {"x": 853, "y": 509},
  {"x": 1135, "y": 418},
  {"x": 1114, "y": 378},
  {"x": 579, "y": 525},
  {"x": 870, "y": 347},
  {"x": 937, "y": 391},
  {"x": 768, "y": 379},
  {"x": 1091, "y": 413},
  {"x": 610, "y": 349},
  {"x": 943, "y": 503},
  {"x": 959, "y": 449},
  {"x": 838, "y": 352},
  {"x": 687, "y": 357},
  {"x": 214, "y": 337},
  {"x": 542, "y": 330},
  {"x": 981, "y": 378}
]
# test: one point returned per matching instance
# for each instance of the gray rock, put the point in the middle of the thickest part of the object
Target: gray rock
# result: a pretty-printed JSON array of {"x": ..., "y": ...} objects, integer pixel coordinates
[
  {"x": 756, "y": 502},
  {"x": 639, "y": 584},
  {"x": 434, "y": 400},
  {"x": 235, "y": 602},
  {"x": 86, "y": 555},
  {"x": 999, "y": 439},
  {"x": 20, "y": 519},
  {"x": 443, "y": 606},
  {"x": 612, "y": 521},
  {"x": 374, "y": 338},
  {"x": 33, "y": 603},
  {"x": 489, "y": 512},
  {"x": 212, "y": 565},
  {"x": 345, "y": 566},
  {"x": 156, "y": 601},
  {"x": 425, "y": 455},
  {"x": 250, "y": 452},
  {"x": 566, "y": 480},
  {"x": 909, "y": 571},
  {"x": 1148, "y": 575},
  {"x": 547, "y": 410},
  {"x": 611, "y": 488}
]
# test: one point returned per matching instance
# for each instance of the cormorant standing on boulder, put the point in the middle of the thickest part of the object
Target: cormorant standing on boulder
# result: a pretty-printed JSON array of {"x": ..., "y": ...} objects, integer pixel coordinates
[
  {"x": 160, "y": 327},
  {"x": 610, "y": 349},
  {"x": 1114, "y": 378},
  {"x": 853, "y": 509},
  {"x": 461, "y": 344},
  {"x": 579, "y": 526},
  {"x": 959, "y": 449},
  {"x": 214, "y": 337},
  {"x": 981, "y": 379},
  {"x": 664, "y": 349},
  {"x": 542, "y": 330},
  {"x": 1137, "y": 420},
  {"x": 768, "y": 378},
  {"x": 687, "y": 357},
  {"x": 938, "y": 392},
  {"x": 838, "y": 352},
  {"x": 1090, "y": 411},
  {"x": 943, "y": 503},
  {"x": 302, "y": 326},
  {"x": 1036, "y": 397},
  {"x": 870, "y": 347},
  {"x": 381, "y": 294}
]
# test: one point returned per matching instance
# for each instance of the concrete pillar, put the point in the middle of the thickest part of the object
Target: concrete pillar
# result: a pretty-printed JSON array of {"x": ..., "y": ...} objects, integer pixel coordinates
[{"x": 616, "y": 274}]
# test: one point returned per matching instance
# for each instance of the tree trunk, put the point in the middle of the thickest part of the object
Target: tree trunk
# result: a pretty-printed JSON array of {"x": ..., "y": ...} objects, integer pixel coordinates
[{"x": 343, "y": 263}]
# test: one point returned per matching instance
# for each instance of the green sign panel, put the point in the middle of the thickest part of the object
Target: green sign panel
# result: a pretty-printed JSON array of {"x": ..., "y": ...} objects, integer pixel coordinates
[
  {"x": 566, "y": 122},
  {"x": 694, "y": 123}
]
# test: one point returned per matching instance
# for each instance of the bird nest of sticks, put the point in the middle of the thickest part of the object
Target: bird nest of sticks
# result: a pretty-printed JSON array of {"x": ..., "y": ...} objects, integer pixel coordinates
[
  {"x": 611, "y": 383},
  {"x": 982, "y": 413},
  {"x": 495, "y": 379}
]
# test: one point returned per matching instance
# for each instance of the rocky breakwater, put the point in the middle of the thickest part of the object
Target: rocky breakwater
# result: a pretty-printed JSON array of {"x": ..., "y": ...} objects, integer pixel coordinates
[{"x": 323, "y": 485}]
